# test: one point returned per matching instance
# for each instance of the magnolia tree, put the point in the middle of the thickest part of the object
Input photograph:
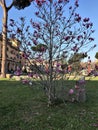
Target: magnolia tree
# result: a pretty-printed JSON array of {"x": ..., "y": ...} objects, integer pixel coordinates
[{"x": 57, "y": 34}]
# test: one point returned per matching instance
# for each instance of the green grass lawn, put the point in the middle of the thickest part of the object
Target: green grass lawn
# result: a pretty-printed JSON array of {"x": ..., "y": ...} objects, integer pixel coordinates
[{"x": 25, "y": 108}]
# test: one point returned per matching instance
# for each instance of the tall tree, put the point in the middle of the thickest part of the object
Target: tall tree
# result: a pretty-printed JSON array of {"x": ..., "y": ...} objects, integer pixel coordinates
[
  {"x": 56, "y": 35},
  {"x": 19, "y": 4}
]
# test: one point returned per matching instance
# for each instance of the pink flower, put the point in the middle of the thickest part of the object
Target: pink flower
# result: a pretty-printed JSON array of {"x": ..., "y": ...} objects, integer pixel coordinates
[
  {"x": 76, "y": 87},
  {"x": 30, "y": 75},
  {"x": 37, "y": 13},
  {"x": 60, "y": 1},
  {"x": 95, "y": 125},
  {"x": 82, "y": 82},
  {"x": 71, "y": 91},
  {"x": 17, "y": 73},
  {"x": 24, "y": 81},
  {"x": 91, "y": 39},
  {"x": 86, "y": 19},
  {"x": 78, "y": 19},
  {"x": 67, "y": 38},
  {"x": 29, "y": 44},
  {"x": 76, "y": 3},
  {"x": 58, "y": 64},
  {"x": 39, "y": 3},
  {"x": 75, "y": 48},
  {"x": 79, "y": 37}
]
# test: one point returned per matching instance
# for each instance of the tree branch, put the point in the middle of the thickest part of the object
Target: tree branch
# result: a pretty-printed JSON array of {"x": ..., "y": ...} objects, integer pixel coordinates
[
  {"x": 8, "y": 8},
  {"x": 1, "y": 4}
]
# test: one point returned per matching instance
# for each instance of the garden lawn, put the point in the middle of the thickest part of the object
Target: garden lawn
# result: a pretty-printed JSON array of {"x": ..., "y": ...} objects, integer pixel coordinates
[{"x": 25, "y": 108}]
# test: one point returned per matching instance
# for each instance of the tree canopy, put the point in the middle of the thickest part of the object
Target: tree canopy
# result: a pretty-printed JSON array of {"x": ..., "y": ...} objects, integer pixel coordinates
[
  {"x": 77, "y": 57},
  {"x": 96, "y": 55},
  {"x": 62, "y": 33},
  {"x": 21, "y": 4}
]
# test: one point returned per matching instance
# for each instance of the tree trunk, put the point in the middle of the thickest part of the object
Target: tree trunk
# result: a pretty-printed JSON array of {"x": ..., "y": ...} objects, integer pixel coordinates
[
  {"x": 50, "y": 94},
  {"x": 4, "y": 43}
]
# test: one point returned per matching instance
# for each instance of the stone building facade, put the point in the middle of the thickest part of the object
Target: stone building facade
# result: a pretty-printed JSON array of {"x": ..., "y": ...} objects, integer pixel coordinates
[{"x": 14, "y": 56}]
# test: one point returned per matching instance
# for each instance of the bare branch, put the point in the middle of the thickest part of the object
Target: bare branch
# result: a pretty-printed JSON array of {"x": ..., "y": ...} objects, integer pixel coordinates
[
  {"x": 1, "y": 3},
  {"x": 8, "y": 8}
]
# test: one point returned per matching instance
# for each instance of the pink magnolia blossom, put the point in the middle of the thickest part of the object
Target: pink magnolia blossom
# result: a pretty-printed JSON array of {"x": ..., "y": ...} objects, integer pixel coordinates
[
  {"x": 17, "y": 73},
  {"x": 37, "y": 13},
  {"x": 95, "y": 125},
  {"x": 88, "y": 25},
  {"x": 67, "y": 38},
  {"x": 79, "y": 37},
  {"x": 40, "y": 2},
  {"x": 58, "y": 64},
  {"x": 91, "y": 39},
  {"x": 29, "y": 44},
  {"x": 86, "y": 19},
  {"x": 60, "y": 1},
  {"x": 58, "y": 70},
  {"x": 24, "y": 81},
  {"x": 82, "y": 82},
  {"x": 76, "y": 3},
  {"x": 30, "y": 75},
  {"x": 71, "y": 91},
  {"x": 75, "y": 48},
  {"x": 34, "y": 41},
  {"x": 76, "y": 87},
  {"x": 78, "y": 19}
]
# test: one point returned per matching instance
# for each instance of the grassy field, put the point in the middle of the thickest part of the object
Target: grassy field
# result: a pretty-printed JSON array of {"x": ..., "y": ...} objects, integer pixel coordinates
[{"x": 25, "y": 108}]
